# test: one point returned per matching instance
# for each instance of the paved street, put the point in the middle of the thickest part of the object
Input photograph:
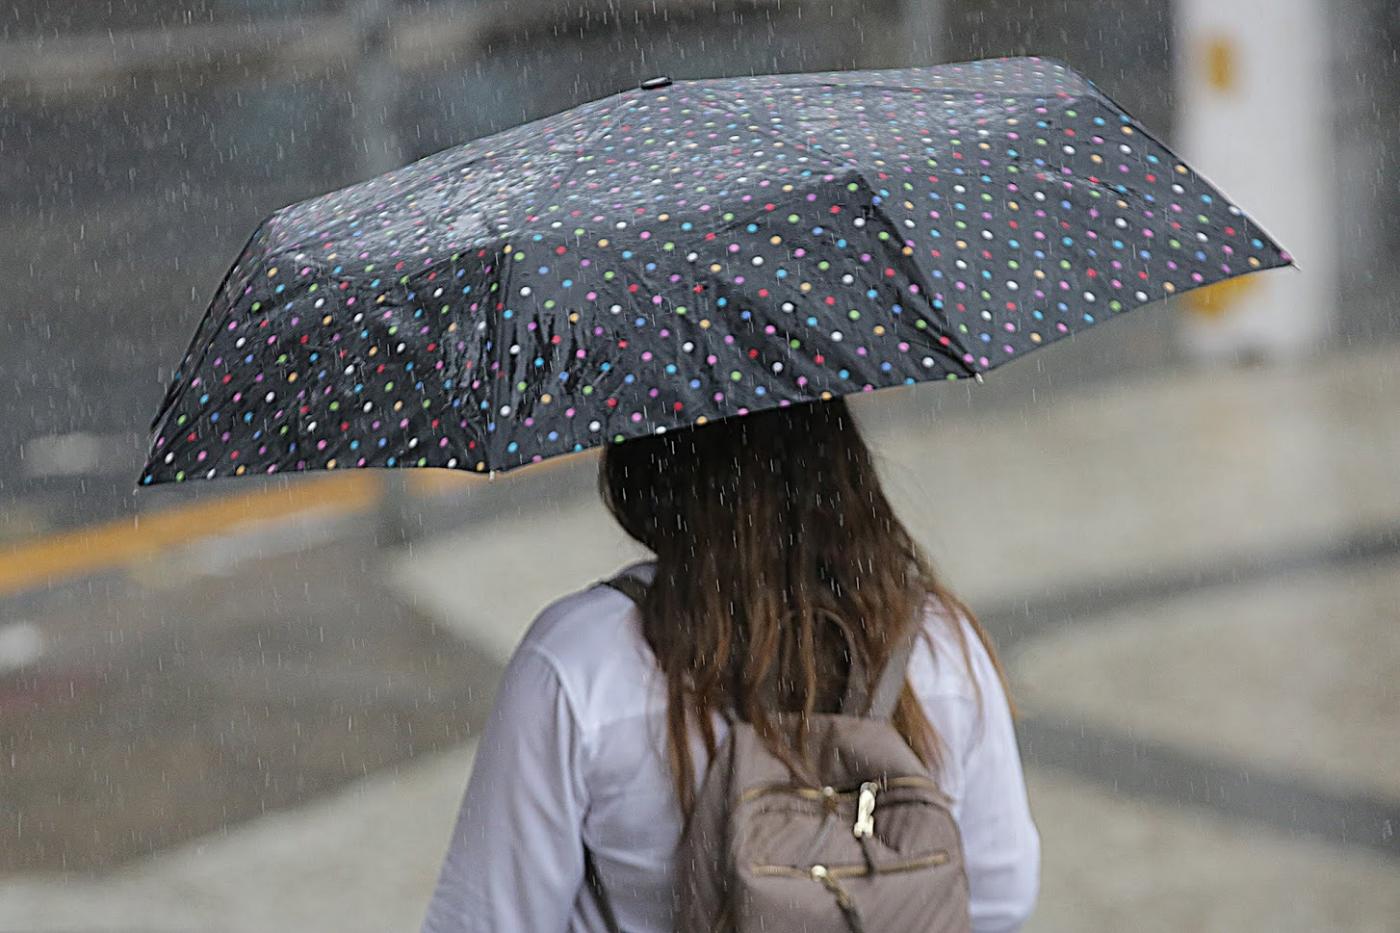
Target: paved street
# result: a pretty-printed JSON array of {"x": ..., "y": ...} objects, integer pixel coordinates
[{"x": 1193, "y": 577}]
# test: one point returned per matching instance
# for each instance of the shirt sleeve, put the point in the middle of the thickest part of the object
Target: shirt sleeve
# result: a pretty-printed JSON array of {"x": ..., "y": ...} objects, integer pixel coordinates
[
  {"x": 1001, "y": 846},
  {"x": 515, "y": 861}
]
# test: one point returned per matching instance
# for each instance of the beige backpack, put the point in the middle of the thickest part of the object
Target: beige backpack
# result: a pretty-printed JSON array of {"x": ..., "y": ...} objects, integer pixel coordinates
[{"x": 870, "y": 846}]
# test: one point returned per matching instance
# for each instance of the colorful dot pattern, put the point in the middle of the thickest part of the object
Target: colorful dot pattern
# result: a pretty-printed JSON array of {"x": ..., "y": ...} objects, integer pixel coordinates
[{"x": 672, "y": 256}]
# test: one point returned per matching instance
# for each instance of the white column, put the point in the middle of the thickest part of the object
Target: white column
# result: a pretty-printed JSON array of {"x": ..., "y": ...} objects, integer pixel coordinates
[{"x": 1255, "y": 118}]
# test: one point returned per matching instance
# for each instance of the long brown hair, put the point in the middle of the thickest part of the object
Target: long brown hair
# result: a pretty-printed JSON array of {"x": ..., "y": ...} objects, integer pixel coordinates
[{"x": 765, "y": 528}]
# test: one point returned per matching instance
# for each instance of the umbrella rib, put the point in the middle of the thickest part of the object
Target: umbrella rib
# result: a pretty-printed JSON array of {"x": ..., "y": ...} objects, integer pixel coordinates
[{"x": 508, "y": 264}]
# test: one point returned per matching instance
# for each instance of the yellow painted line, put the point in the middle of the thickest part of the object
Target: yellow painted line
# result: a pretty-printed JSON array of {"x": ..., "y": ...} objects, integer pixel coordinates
[{"x": 124, "y": 541}]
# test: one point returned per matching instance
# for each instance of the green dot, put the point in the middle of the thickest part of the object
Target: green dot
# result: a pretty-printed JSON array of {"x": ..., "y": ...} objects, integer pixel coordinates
[
  {"x": 334, "y": 406},
  {"x": 313, "y": 287},
  {"x": 394, "y": 329},
  {"x": 519, "y": 257},
  {"x": 548, "y": 304},
  {"x": 1013, "y": 264},
  {"x": 180, "y": 421},
  {"x": 853, "y": 314},
  {"x": 823, "y": 265},
  {"x": 921, "y": 324},
  {"x": 388, "y": 386},
  {"x": 736, "y": 376},
  {"x": 1115, "y": 305},
  {"x": 728, "y": 215},
  {"x": 794, "y": 343},
  {"x": 257, "y": 305},
  {"x": 793, "y": 218},
  {"x": 281, "y": 357},
  {"x": 422, "y": 461},
  {"x": 587, "y": 390},
  {"x": 952, "y": 377},
  {"x": 852, "y": 186},
  {"x": 682, "y": 310},
  {"x": 521, "y": 386},
  {"x": 369, "y": 268},
  {"x": 618, "y": 438},
  {"x": 427, "y": 403},
  {"x": 180, "y": 476}
]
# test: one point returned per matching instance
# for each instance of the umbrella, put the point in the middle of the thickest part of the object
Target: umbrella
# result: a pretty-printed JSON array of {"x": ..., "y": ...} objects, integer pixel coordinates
[{"x": 688, "y": 251}]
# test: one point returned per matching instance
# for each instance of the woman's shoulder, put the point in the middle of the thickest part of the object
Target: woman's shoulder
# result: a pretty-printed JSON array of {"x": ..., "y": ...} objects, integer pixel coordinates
[
  {"x": 950, "y": 660},
  {"x": 592, "y": 640}
]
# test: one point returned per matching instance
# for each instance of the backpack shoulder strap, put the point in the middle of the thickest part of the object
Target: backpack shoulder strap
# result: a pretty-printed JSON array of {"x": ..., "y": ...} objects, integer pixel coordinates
[
  {"x": 629, "y": 586},
  {"x": 600, "y": 897},
  {"x": 887, "y": 689}
]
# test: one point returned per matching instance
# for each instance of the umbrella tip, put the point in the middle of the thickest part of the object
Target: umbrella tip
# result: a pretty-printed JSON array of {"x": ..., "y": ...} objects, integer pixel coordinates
[{"x": 652, "y": 84}]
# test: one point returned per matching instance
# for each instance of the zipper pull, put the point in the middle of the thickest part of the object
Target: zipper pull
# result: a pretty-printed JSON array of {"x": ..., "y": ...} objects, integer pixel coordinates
[{"x": 865, "y": 811}]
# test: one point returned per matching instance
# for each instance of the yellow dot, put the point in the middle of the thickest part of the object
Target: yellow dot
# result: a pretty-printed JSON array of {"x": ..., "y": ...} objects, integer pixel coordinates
[
  {"x": 481, "y": 466},
  {"x": 398, "y": 406},
  {"x": 291, "y": 377},
  {"x": 603, "y": 241},
  {"x": 1035, "y": 338},
  {"x": 705, "y": 324},
  {"x": 1168, "y": 287},
  {"x": 805, "y": 286},
  {"x": 330, "y": 464},
  {"x": 272, "y": 272},
  {"x": 775, "y": 239},
  {"x": 715, "y": 267},
  {"x": 546, "y": 399},
  {"x": 240, "y": 471},
  {"x": 373, "y": 351},
  {"x": 573, "y": 317},
  {"x": 879, "y": 330},
  {"x": 826, "y": 396},
  {"x": 702, "y": 420}
]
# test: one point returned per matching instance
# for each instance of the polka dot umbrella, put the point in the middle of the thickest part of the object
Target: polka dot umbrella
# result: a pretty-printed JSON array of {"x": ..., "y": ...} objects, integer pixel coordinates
[{"x": 684, "y": 252}]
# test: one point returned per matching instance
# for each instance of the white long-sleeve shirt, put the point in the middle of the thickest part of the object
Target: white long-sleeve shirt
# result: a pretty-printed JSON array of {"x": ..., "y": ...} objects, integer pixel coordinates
[{"x": 574, "y": 753}]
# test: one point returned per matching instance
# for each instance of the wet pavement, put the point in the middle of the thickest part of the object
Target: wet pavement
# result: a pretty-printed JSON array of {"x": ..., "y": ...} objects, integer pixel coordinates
[{"x": 1193, "y": 578}]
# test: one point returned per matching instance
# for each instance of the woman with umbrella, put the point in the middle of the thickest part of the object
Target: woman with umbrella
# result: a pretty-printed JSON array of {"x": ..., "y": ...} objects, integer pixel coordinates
[
  {"x": 694, "y": 275},
  {"x": 764, "y": 529}
]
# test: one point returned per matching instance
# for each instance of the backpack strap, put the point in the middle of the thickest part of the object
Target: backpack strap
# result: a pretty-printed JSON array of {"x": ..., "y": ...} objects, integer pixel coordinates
[
  {"x": 887, "y": 689},
  {"x": 595, "y": 884},
  {"x": 629, "y": 586}
]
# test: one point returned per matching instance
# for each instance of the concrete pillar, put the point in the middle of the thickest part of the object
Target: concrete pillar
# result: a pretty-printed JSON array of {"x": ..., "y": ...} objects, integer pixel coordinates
[{"x": 1255, "y": 117}]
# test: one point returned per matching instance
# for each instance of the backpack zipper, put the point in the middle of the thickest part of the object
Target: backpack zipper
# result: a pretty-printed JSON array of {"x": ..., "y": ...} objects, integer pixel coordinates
[
  {"x": 940, "y": 857},
  {"x": 822, "y": 793}
]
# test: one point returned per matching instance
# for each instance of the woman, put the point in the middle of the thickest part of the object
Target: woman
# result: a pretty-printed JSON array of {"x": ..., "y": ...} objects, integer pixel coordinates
[{"x": 762, "y": 527}]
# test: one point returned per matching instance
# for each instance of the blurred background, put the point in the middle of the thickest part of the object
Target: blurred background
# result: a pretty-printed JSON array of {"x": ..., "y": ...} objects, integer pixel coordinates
[{"x": 252, "y": 705}]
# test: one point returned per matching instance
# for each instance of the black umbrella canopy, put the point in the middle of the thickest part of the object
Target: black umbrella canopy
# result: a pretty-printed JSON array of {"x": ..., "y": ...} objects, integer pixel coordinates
[{"x": 685, "y": 252}]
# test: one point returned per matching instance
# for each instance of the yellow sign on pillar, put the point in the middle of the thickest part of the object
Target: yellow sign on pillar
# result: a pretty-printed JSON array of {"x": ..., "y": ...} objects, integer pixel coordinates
[
  {"x": 1215, "y": 300},
  {"x": 1221, "y": 60}
]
